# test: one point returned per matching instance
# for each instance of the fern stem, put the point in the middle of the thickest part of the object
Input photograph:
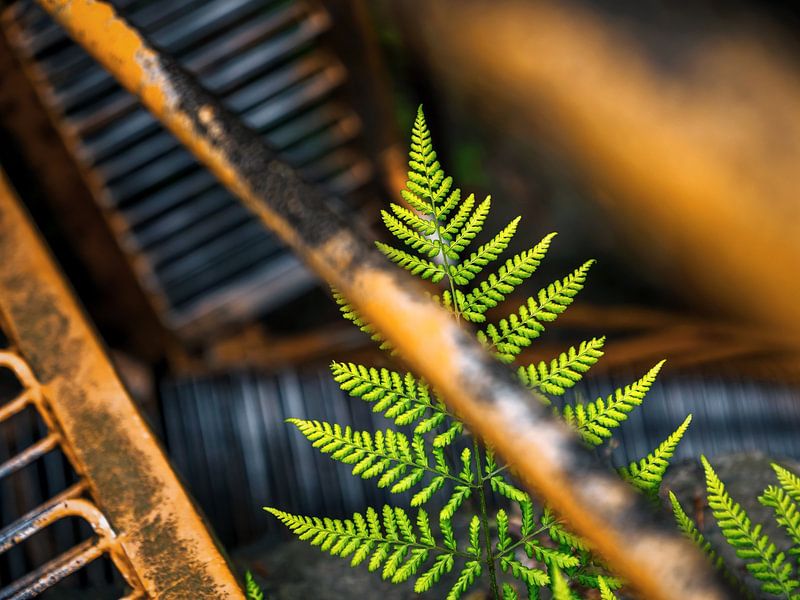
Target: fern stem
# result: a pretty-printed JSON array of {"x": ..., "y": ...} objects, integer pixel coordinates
[
  {"x": 440, "y": 237},
  {"x": 484, "y": 517}
]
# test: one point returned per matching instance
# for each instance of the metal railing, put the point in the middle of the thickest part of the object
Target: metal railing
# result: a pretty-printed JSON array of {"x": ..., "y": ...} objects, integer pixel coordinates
[
  {"x": 140, "y": 515},
  {"x": 618, "y": 523}
]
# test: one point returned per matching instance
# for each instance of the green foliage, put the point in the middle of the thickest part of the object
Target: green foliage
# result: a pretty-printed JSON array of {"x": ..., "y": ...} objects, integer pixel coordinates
[
  {"x": 649, "y": 471},
  {"x": 595, "y": 420},
  {"x": 764, "y": 560},
  {"x": 438, "y": 240},
  {"x": 251, "y": 587},
  {"x": 563, "y": 372}
]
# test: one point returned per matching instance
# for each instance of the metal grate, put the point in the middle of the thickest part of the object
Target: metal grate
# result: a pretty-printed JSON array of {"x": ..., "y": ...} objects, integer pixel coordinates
[
  {"x": 202, "y": 257},
  {"x": 60, "y": 506}
]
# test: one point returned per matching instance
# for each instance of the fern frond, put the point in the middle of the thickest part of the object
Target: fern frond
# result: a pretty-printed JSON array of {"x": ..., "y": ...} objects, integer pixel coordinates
[
  {"x": 350, "y": 313},
  {"x": 415, "y": 265},
  {"x": 457, "y": 221},
  {"x": 462, "y": 491},
  {"x": 763, "y": 560},
  {"x": 563, "y": 372},
  {"x": 605, "y": 591},
  {"x": 595, "y": 420},
  {"x": 513, "y": 334},
  {"x": 505, "y": 489},
  {"x": 472, "y": 227},
  {"x": 786, "y": 513},
  {"x": 509, "y": 593},
  {"x": 428, "y": 190},
  {"x": 413, "y": 219},
  {"x": 399, "y": 463},
  {"x": 252, "y": 589},
  {"x": 789, "y": 481},
  {"x": 498, "y": 286},
  {"x": 560, "y": 587},
  {"x": 649, "y": 471},
  {"x": 530, "y": 576},
  {"x": 389, "y": 541},
  {"x": 470, "y": 572},
  {"x": 465, "y": 272},
  {"x": 552, "y": 557},
  {"x": 411, "y": 238},
  {"x": 398, "y": 396},
  {"x": 689, "y": 529},
  {"x": 559, "y": 534}
]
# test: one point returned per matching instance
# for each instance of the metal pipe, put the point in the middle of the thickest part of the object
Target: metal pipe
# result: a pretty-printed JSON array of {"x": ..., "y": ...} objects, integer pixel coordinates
[{"x": 617, "y": 522}]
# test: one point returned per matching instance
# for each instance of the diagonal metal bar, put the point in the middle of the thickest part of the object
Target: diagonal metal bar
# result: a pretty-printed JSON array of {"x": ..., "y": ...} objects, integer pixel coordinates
[{"x": 547, "y": 456}]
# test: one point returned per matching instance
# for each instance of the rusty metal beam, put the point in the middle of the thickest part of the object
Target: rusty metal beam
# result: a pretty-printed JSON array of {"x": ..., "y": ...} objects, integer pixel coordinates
[
  {"x": 67, "y": 375},
  {"x": 617, "y": 521}
]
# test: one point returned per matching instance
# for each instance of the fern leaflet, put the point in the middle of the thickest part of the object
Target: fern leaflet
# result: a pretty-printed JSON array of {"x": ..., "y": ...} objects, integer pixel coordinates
[
  {"x": 252, "y": 589},
  {"x": 764, "y": 561},
  {"x": 595, "y": 420},
  {"x": 511, "y": 335},
  {"x": 649, "y": 471},
  {"x": 563, "y": 372}
]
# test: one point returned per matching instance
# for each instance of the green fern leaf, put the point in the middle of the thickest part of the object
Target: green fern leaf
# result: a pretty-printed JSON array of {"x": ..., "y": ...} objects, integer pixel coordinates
[
  {"x": 530, "y": 576},
  {"x": 786, "y": 513},
  {"x": 415, "y": 265},
  {"x": 465, "y": 272},
  {"x": 563, "y": 372},
  {"x": 513, "y": 334},
  {"x": 462, "y": 491},
  {"x": 470, "y": 572},
  {"x": 605, "y": 591},
  {"x": 561, "y": 536},
  {"x": 441, "y": 566},
  {"x": 498, "y": 286},
  {"x": 687, "y": 526},
  {"x": 505, "y": 489},
  {"x": 472, "y": 227},
  {"x": 350, "y": 313},
  {"x": 552, "y": 557},
  {"x": 457, "y": 221},
  {"x": 398, "y": 462},
  {"x": 789, "y": 482},
  {"x": 509, "y": 593},
  {"x": 252, "y": 589},
  {"x": 400, "y": 397},
  {"x": 595, "y": 420},
  {"x": 764, "y": 562},
  {"x": 560, "y": 587},
  {"x": 389, "y": 538},
  {"x": 411, "y": 238},
  {"x": 413, "y": 219},
  {"x": 474, "y": 536},
  {"x": 428, "y": 190},
  {"x": 649, "y": 471}
]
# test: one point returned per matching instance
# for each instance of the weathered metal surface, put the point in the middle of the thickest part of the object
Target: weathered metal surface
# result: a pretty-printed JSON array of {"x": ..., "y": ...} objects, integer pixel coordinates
[
  {"x": 548, "y": 457},
  {"x": 158, "y": 542}
]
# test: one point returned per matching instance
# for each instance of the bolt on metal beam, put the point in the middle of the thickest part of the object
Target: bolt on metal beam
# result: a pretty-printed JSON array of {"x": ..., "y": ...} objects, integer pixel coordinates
[{"x": 547, "y": 456}]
